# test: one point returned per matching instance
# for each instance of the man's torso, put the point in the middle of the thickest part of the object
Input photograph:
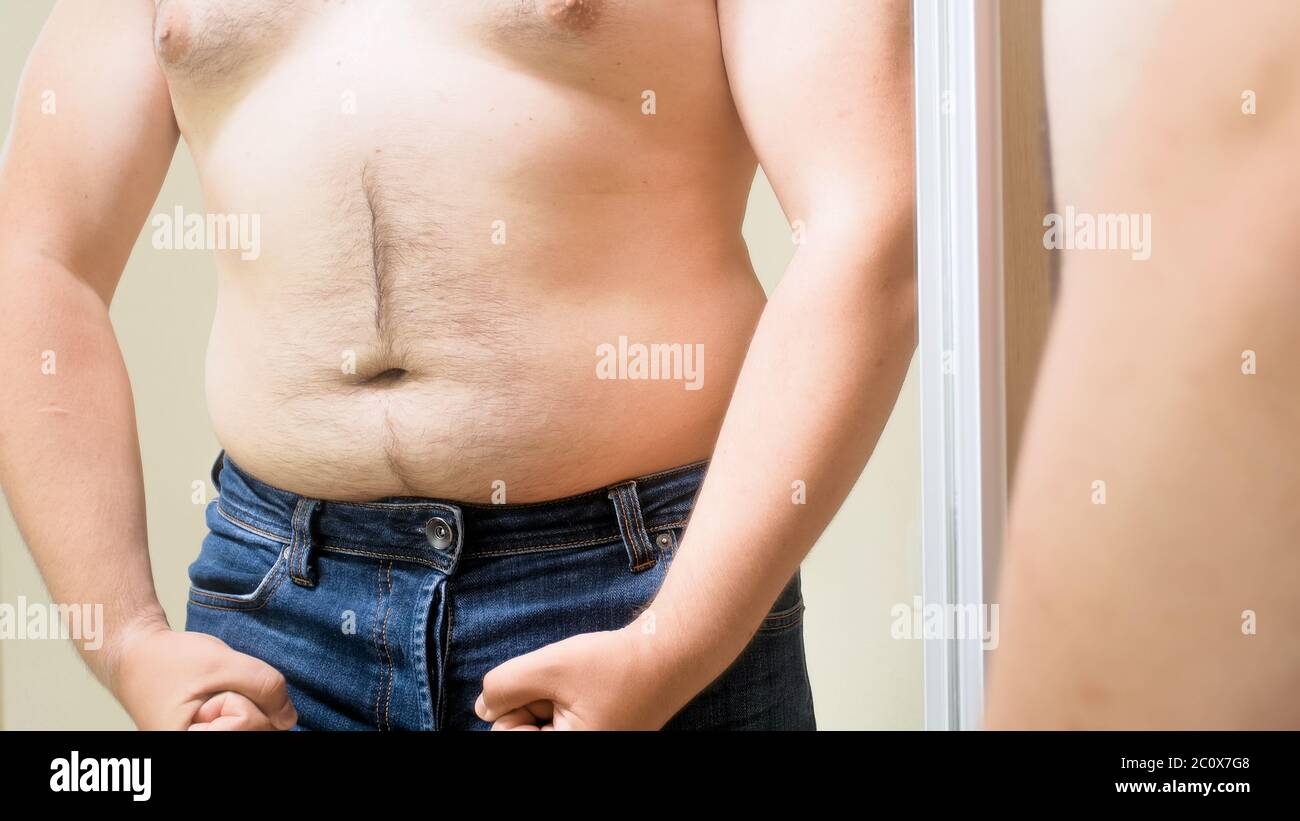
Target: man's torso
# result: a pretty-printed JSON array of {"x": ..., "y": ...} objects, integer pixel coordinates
[{"x": 459, "y": 203}]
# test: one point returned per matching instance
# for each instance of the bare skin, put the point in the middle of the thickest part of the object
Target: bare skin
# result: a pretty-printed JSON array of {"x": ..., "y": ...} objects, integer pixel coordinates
[
  {"x": 386, "y": 341},
  {"x": 1173, "y": 604},
  {"x": 378, "y": 237}
]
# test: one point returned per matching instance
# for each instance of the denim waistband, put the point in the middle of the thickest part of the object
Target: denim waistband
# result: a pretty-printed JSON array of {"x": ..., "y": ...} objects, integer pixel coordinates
[{"x": 438, "y": 532}]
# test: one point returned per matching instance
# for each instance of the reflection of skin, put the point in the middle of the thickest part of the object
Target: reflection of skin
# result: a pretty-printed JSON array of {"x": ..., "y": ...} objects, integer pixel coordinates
[
  {"x": 475, "y": 361},
  {"x": 1133, "y": 613}
]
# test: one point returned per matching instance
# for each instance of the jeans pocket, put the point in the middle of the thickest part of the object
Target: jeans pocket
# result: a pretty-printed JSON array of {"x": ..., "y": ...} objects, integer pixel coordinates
[
  {"x": 237, "y": 568},
  {"x": 787, "y": 611}
]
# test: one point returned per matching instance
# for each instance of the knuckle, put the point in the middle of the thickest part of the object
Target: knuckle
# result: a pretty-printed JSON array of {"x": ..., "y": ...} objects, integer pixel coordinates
[
  {"x": 493, "y": 681},
  {"x": 270, "y": 682},
  {"x": 256, "y": 682}
]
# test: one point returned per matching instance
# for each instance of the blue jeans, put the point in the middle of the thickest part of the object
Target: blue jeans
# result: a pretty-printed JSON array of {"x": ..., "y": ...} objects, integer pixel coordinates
[{"x": 387, "y": 615}]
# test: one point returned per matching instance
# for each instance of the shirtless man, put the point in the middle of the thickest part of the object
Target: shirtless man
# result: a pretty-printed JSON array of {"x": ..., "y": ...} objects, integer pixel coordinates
[{"x": 460, "y": 204}]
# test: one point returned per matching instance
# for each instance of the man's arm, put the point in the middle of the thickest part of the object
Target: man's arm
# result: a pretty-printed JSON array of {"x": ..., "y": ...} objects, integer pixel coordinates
[
  {"x": 825, "y": 93},
  {"x": 92, "y": 139},
  {"x": 1171, "y": 600}
]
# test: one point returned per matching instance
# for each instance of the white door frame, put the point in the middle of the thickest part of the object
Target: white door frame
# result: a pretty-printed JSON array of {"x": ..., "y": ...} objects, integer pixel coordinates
[{"x": 959, "y": 263}]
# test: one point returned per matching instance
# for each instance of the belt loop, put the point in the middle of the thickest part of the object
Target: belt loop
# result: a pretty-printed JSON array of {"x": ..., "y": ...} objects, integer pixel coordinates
[
  {"x": 216, "y": 470},
  {"x": 300, "y": 568},
  {"x": 627, "y": 508}
]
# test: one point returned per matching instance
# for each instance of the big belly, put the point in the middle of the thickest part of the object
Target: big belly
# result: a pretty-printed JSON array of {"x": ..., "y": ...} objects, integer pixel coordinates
[
  {"x": 518, "y": 382},
  {"x": 441, "y": 263}
]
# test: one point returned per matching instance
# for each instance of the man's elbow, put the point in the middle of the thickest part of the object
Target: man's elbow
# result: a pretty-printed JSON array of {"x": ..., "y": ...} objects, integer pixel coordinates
[{"x": 882, "y": 273}]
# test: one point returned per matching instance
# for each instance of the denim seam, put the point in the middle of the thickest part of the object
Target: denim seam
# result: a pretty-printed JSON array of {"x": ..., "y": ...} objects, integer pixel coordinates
[
  {"x": 379, "y": 656},
  {"x": 786, "y": 611},
  {"x": 782, "y": 620},
  {"x": 542, "y": 547},
  {"x": 251, "y": 528},
  {"x": 545, "y": 548},
  {"x": 669, "y": 526},
  {"x": 295, "y": 545},
  {"x": 443, "y": 650},
  {"x": 419, "y": 637},
  {"x": 388, "y": 611},
  {"x": 672, "y": 471},
  {"x": 378, "y": 644},
  {"x": 197, "y": 594},
  {"x": 646, "y": 547},
  {"x": 440, "y": 506},
  {"x": 344, "y": 547},
  {"x": 277, "y": 572},
  {"x": 391, "y": 557}
]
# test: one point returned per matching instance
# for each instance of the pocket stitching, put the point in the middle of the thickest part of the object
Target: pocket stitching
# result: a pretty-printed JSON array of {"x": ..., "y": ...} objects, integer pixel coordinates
[
  {"x": 249, "y": 527},
  {"x": 784, "y": 619},
  {"x": 255, "y": 600}
]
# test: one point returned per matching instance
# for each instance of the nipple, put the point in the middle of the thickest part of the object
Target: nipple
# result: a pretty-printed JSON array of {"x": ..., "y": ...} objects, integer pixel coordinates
[
  {"x": 171, "y": 38},
  {"x": 573, "y": 15}
]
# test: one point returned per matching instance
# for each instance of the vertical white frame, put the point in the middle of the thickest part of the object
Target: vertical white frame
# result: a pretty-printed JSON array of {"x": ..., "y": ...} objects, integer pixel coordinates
[{"x": 959, "y": 264}]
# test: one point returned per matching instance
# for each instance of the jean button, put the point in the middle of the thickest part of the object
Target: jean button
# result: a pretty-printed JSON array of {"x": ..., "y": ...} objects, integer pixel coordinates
[{"x": 438, "y": 532}]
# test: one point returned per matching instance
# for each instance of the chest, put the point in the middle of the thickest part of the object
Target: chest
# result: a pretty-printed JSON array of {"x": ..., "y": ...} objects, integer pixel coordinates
[{"x": 218, "y": 41}]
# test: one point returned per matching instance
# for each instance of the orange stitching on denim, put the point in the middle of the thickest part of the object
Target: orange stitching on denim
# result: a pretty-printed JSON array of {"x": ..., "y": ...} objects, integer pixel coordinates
[
  {"x": 780, "y": 621},
  {"x": 440, "y": 506},
  {"x": 388, "y": 611},
  {"x": 542, "y": 547},
  {"x": 642, "y": 550},
  {"x": 641, "y": 533},
  {"x": 672, "y": 471},
  {"x": 669, "y": 526},
  {"x": 295, "y": 546},
  {"x": 260, "y": 604},
  {"x": 224, "y": 609},
  {"x": 443, "y": 652},
  {"x": 546, "y": 548},
  {"x": 373, "y": 555},
  {"x": 303, "y": 514},
  {"x": 785, "y": 612},
  {"x": 374, "y": 640},
  {"x": 625, "y": 527}
]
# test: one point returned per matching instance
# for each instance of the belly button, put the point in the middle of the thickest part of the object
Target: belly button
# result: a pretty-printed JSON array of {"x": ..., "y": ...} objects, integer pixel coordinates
[{"x": 385, "y": 378}]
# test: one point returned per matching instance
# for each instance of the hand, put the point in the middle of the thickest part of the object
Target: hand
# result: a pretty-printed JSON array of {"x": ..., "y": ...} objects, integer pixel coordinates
[
  {"x": 231, "y": 711},
  {"x": 592, "y": 681},
  {"x": 169, "y": 680}
]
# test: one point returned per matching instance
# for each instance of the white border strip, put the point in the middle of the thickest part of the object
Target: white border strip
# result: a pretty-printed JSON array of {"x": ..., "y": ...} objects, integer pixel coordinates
[{"x": 959, "y": 259}]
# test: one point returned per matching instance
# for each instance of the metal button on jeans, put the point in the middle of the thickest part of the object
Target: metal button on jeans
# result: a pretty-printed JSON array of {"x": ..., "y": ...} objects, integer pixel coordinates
[{"x": 438, "y": 532}]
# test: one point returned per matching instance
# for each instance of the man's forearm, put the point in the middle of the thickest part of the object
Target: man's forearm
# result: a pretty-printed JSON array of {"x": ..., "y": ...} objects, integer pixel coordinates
[
  {"x": 819, "y": 382},
  {"x": 69, "y": 456}
]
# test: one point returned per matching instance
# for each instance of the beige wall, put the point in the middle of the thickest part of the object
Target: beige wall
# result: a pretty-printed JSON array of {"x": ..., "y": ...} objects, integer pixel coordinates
[{"x": 868, "y": 560}]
